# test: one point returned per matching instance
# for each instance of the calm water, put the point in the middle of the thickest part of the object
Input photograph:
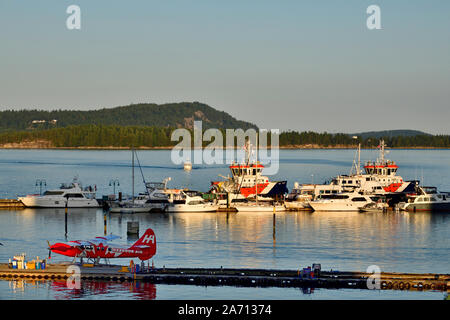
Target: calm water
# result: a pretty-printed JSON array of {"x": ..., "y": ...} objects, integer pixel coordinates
[{"x": 401, "y": 242}]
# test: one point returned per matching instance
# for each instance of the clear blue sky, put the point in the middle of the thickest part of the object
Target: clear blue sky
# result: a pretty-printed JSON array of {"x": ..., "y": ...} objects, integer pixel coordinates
[{"x": 301, "y": 65}]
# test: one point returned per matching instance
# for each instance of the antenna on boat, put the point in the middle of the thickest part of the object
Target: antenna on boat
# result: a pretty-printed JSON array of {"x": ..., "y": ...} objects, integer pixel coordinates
[
  {"x": 357, "y": 166},
  {"x": 257, "y": 171}
]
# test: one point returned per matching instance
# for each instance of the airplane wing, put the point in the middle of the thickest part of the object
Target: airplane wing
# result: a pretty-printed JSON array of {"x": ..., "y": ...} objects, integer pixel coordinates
[
  {"x": 105, "y": 239},
  {"x": 79, "y": 243}
]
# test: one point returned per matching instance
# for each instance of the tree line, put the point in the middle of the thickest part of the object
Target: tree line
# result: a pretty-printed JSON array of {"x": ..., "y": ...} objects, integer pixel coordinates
[{"x": 153, "y": 136}]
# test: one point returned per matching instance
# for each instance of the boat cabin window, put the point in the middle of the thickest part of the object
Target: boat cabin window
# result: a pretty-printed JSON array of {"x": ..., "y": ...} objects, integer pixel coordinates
[
  {"x": 53, "y": 193},
  {"x": 333, "y": 196},
  {"x": 74, "y": 195},
  {"x": 194, "y": 202},
  {"x": 359, "y": 199}
]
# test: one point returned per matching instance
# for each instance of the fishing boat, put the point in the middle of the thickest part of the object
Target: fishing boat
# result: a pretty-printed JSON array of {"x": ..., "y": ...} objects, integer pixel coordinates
[
  {"x": 341, "y": 202},
  {"x": 70, "y": 195},
  {"x": 188, "y": 201},
  {"x": 426, "y": 199}
]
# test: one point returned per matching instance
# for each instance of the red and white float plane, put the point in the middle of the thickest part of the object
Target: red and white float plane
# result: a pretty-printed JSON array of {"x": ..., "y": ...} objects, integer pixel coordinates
[{"x": 100, "y": 248}]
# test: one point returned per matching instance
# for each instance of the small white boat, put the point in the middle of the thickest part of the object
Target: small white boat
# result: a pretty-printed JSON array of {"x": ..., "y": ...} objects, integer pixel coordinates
[
  {"x": 378, "y": 206},
  {"x": 128, "y": 207},
  {"x": 188, "y": 201},
  {"x": 298, "y": 198},
  {"x": 187, "y": 166},
  {"x": 341, "y": 202},
  {"x": 71, "y": 195}
]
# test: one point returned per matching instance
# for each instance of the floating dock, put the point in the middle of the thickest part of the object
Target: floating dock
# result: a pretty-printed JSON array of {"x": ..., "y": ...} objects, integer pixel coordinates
[
  {"x": 234, "y": 277},
  {"x": 11, "y": 203}
]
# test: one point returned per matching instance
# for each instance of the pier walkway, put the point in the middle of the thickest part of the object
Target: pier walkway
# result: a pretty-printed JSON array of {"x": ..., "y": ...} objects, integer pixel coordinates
[{"x": 235, "y": 277}]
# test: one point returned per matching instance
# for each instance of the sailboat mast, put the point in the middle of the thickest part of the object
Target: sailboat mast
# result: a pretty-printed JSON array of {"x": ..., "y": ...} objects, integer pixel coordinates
[{"x": 132, "y": 174}]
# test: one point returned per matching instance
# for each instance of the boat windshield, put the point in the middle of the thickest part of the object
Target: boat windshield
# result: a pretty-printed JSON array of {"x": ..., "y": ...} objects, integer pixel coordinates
[
  {"x": 333, "y": 196},
  {"x": 155, "y": 185},
  {"x": 430, "y": 190}
]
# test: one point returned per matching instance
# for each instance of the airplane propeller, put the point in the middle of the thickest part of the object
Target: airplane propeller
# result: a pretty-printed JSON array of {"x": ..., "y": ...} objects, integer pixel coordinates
[{"x": 49, "y": 250}]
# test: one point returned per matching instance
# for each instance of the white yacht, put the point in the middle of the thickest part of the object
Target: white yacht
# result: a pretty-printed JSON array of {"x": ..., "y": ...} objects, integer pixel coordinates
[
  {"x": 71, "y": 195},
  {"x": 188, "y": 201},
  {"x": 157, "y": 199},
  {"x": 379, "y": 177},
  {"x": 426, "y": 199},
  {"x": 341, "y": 202}
]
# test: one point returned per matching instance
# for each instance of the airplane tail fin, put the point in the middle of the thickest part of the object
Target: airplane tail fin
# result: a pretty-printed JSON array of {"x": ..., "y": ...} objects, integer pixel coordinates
[{"x": 147, "y": 243}]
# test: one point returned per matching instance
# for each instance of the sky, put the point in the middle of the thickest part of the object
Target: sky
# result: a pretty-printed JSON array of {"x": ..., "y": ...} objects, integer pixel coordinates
[{"x": 288, "y": 65}]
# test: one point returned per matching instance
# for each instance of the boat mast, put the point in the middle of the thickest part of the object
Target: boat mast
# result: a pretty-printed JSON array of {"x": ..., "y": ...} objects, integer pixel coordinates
[
  {"x": 257, "y": 170},
  {"x": 358, "y": 170},
  {"x": 132, "y": 174}
]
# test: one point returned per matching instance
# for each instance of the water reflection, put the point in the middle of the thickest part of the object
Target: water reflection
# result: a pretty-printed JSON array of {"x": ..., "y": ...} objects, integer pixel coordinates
[
  {"x": 396, "y": 241},
  {"x": 104, "y": 290},
  {"x": 57, "y": 289}
]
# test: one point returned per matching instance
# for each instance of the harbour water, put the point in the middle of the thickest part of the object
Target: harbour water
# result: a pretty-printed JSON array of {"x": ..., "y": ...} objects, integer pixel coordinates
[{"x": 397, "y": 242}]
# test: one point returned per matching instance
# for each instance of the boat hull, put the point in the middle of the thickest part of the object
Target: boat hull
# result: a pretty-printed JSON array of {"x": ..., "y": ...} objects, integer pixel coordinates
[
  {"x": 334, "y": 206},
  {"x": 297, "y": 205},
  {"x": 427, "y": 207},
  {"x": 255, "y": 208},
  {"x": 129, "y": 210},
  {"x": 191, "y": 208},
  {"x": 37, "y": 202}
]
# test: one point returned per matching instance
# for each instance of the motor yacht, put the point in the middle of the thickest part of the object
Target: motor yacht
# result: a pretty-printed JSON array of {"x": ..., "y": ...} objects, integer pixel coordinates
[
  {"x": 341, "y": 202},
  {"x": 70, "y": 195},
  {"x": 188, "y": 201},
  {"x": 426, "y": 199}
]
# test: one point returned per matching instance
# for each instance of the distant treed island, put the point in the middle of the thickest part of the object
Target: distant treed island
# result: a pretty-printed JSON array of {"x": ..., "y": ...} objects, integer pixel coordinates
[{"x": 151, "y": 126}]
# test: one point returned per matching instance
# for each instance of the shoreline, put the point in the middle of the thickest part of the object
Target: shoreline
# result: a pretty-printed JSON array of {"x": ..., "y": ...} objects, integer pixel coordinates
[{"x": 300, "y": 147}]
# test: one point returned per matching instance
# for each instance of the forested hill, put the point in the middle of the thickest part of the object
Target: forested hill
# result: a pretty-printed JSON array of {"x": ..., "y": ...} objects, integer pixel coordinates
[
  {"x": 175, "y": 115},
  {"x": 390, "y": 134}
]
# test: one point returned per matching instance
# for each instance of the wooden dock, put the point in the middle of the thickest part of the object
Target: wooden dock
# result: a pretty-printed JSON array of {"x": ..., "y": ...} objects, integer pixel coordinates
[
  {"x": 234, "y": 277},
  {"x": 10, "y": 203}
]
